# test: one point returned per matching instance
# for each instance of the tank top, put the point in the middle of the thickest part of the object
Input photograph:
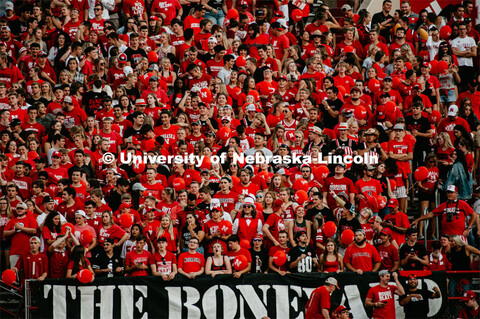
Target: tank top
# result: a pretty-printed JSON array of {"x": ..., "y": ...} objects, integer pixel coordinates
[
  {"x": 331, "y": 266},
  {"x": 459, "y": 259},
  {"x": 221, "y": 267},
  {"x": 299, "y": 227}
]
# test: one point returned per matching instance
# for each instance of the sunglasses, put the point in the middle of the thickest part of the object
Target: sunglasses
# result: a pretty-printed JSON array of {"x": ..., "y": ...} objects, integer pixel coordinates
[
  {"x": 248, "y": 206},
  {"x": 257, "y": 240},
  {"x": 97, "y": 9}
]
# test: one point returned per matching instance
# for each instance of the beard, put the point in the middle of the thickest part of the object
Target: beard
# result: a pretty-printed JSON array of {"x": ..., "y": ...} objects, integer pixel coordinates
[
  {"x": 355, "y": 98},
  {"x": 361, "y": 242}
]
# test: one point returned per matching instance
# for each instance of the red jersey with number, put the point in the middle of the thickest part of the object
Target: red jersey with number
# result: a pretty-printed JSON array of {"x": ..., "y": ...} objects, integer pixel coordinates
[{"x": 32, "y": 266}]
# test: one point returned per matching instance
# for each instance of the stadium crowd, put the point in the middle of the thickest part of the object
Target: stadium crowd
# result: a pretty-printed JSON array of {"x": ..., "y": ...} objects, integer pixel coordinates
[{"x": 82, "y": 78}]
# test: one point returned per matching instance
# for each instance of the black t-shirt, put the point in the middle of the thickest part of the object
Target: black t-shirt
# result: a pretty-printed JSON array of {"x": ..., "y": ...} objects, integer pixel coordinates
[
  {"x": 422, "y": 125},
  {"x": 102, "y": 261},
  {"x": 43, "y": 100},
  {"x": 134, "y": 56},
  {"x": 379, "y": 18},
  {"x": 259, "y": 261},
  {"x": 352, "y": 224},
  {"x": 418, "y": 249},
  {"x": 417, "y": 307},
  {"x": 131, "y": 131},
  {"x": 304, "y": 265},
  {"x": 328, "y": 120},
  {"x": 326, "y": 213},
  {"x": 93, "y": 101},
  {"x": 133, "y": 93}
]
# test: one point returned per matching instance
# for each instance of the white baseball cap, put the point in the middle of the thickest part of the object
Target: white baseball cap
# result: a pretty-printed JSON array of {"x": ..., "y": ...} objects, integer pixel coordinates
[{"x": 452, "y": 110}]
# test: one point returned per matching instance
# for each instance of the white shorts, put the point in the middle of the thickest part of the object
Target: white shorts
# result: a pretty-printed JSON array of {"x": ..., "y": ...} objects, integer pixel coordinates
[{"x": 400, "y": 192}]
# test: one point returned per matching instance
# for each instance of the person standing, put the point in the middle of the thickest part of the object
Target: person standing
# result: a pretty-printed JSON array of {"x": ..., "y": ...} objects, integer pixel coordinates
[
  {"x": 137, "y": 261},
  {"x": 361, "y": 256},
  {"x": 302, "y": 257},
  {"x": 465, "y": 49},
  {"x": 34, "y": 264},
  {"x": 381, "y": 298},
  {"x": 415, "y": 300},
  {"x": 413, "y": 255},
  {"x": 318, "y": 306},
  {"x": 191, "y": 263}
]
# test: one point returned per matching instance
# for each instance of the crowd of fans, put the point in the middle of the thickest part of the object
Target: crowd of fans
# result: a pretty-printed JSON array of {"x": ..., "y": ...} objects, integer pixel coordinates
[{"x": 80, "y": 79}]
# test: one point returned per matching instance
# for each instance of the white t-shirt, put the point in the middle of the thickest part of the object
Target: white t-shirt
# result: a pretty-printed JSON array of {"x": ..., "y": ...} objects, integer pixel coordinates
[
  {"x": 432, "y": 47},
  {"x": 464, "y": 44}
]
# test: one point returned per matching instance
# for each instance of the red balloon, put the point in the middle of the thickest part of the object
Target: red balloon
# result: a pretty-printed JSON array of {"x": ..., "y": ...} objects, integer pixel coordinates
[
  {"x": 445, "y": 32},
  {"x": 321, "y": 172},
  {"x": 178, "y": 184},
  {"x": 9, "y": 276},
  {"x": 240, "y": 262},
  {"x": 348, "y": 49},
  {"x": 390, "y": 107},
  {"x": 300, "y": 184},
  {"x": 382, "y": 201},
  {"x": 435, "y": 117},
  {"x": 297, "y": 15},
  {"x": 85, "y": 276},
  {"x": 433, "y": 69},
  {"x": 138, "y": 167},
  {"x": 329, "y": 229},
  {"x": 408, "y": 65},
  {"x": 126, "y": 220},
  {"x": 152, "y": 57},
  {"x": 347, "y": 236},
  {"x": 396, "y": 82},
  {"x": 244, "y": 243},
  {"x": 224, "y": 133},
  {"x": 206, "y": 95},
  {"x": 86, "y": 237},
  {"x": 301, "y": 196},
  {"x": 341, "y": 89},
  {"x": 374, "y": 85},
  {"x": 373, "y": 203},
  {"x": 70, "y": 225},
  {"x": 206, "y": 163},
  {"x": 240, "y": 61},
  {"x": 279, "y": 258},
  {"x": 360, "y": 113},
  {"x": 290, "y": 136},
  {"x": 232, "y": 13},
  {"x": 442, "y": 67},
  {"x": 421, "y": 173},
  {"x": 393, "y": 184}
]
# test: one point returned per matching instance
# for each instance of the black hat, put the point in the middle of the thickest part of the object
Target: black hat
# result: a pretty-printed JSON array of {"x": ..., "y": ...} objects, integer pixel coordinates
[
  {"x": 47, "y": 199},
  {"x": 109, "y": 240}
]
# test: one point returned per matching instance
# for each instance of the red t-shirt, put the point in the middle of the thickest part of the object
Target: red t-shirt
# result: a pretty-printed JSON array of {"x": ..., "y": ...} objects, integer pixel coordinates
[
  {"x": 385, "y": 295},
  {"x": 276, "y": 225},
  {"x": 319, "y": 299},
  {"x": 20, "y": 239},
  {"x": 134, "y": 258},
  {"x": 114, "y": 232},
  {"x": 227, "y": 200},
  {"x": 58, "y": 263},
  {"x": 401, "y": 220},
  {"x": 362, "y": 258},
  {"x": 165, "y": 263},
  {"x": 457, "y": 225},
  {"x": 343, "y": 184},
  {"x": 389, "y": 256},
  {"x": 402, "y": 147},
  {"x": 190, "y": 263}
]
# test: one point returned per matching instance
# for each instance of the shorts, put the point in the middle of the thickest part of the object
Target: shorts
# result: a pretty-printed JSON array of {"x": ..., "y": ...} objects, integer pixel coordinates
[
  {"x": 400, "y": 192},
  {"x": 448, "y": 95},
  {"x": 426, "y": 196}
]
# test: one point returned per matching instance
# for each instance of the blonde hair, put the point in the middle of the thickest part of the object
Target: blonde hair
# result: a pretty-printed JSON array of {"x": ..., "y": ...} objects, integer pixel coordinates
[
  {"x": 170, "y": 228},
  {"x": 447, "y": 140}
]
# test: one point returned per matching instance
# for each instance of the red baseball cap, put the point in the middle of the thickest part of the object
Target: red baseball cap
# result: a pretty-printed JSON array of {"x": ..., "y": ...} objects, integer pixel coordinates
[
  {"x": 56, "y": 154},
  {"x": 468, "y": 295},
  {"x": 392, "y": 203},
  {"x": 386, "y": 231}
]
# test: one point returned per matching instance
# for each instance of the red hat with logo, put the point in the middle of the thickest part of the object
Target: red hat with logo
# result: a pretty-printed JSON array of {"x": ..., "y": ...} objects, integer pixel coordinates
[{"x": 392, "y": 203}]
